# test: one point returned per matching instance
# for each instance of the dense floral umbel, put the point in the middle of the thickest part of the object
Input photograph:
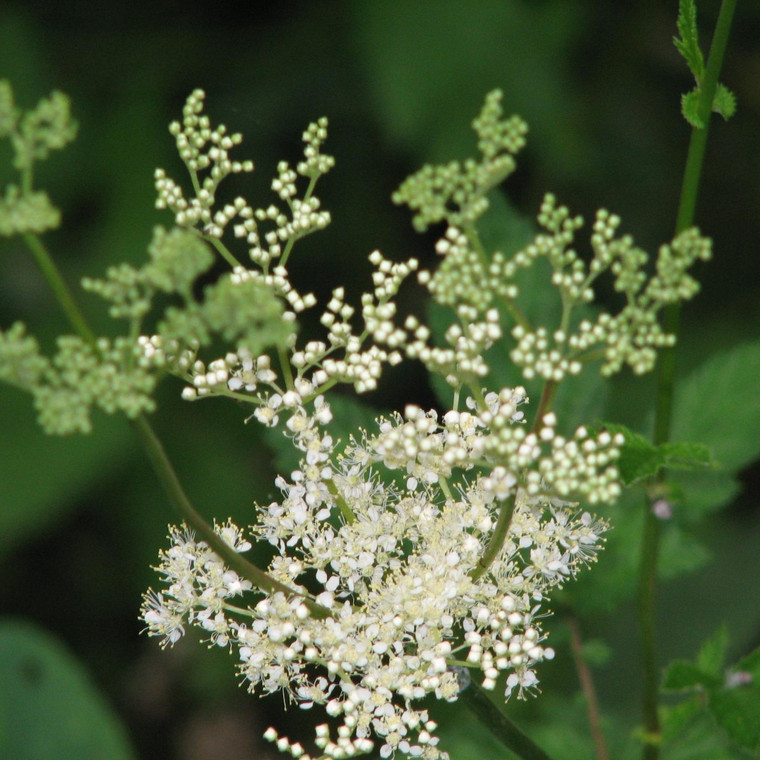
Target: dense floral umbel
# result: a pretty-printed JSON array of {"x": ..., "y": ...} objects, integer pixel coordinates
[{"x": 388, "y": 537}]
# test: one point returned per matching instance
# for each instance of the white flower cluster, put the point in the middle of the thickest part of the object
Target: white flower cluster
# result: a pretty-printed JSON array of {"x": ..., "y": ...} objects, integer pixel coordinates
[
  {"x": 344, "y": 357},
  {"x": 202, "y": 149},
  {"x": 198, "y": 585},
  {"x": 431, "y": 543},
  {"x": 633, "y": 334},
  {"x": 206, "y": 150},
  {"x": 463, "y": 361},
  {"x": 388, "y": 546},
  {"x": 474, "y": 284},
  {"x": 457, "y": 191},
  {"x": 305, "y": 214}
]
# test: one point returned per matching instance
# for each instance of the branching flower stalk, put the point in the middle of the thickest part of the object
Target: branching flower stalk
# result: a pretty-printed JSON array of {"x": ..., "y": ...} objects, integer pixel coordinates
[
  {"x": 28, "y": 149},
  {"x": 435, "y": 537}
]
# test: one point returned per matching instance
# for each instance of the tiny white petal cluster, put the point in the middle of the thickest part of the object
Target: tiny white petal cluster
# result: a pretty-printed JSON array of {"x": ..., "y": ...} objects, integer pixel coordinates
[
  {"x": 475, "y": 284},
  {"x": 396, "y": 567},
  {"x": 199, "y": 586},
  {"x": 343, "y": 357},
  {"x": 631, "y": 336}
]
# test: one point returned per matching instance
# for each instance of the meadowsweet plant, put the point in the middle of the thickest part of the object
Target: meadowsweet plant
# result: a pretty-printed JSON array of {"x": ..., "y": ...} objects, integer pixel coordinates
[
  {"x": 421, "y": 552},
  {"x": 428, "y": 542}
]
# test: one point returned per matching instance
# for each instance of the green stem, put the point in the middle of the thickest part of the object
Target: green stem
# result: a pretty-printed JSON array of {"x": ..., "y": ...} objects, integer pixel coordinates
[
  {"x": 169, "y": 480},
  {"x": 345, "y": 510},
  {"x": 58, "y": 285},
  {"x": 666, "y": 384},
  {"x": 694, "y": 160},
  {"x": 510, "y": 307},
  {"x": 291, "y": 241},
  {"x": 545, "y": 404},
  {"x": 480, "y": 704},
  {"x": 647, "y": 629},
  {"x": 587, "y": 687},
  {"x": 285, "y": 368},
  {"x": 222, "y": 250},
  {"x": 497, "y": 538}
]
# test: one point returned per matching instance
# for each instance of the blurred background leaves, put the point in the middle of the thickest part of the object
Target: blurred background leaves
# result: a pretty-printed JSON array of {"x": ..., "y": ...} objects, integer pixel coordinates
[{"x": 81, "y": 520}]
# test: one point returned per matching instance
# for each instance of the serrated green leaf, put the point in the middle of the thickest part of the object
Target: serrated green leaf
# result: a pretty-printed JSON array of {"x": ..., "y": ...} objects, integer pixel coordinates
[
  {"x": 639, "y": 459},
  {"x": 724, "y": 102},
  {"x": 688, "y": 42},
  {"x": 735, "y": 705},
  {"x": 699, "y": 739},
  {"x": 690, "y": 108},
  {"x": 49, "y": 707},
  {"x": 712, "y": 654},
  {"x": 737, "y": 712},
  {"x": 675, "y": 718},
  {"x": 681, "y": 675},
  {"x": 681, "y": 455},
  {"x": 719, "y": 405}
]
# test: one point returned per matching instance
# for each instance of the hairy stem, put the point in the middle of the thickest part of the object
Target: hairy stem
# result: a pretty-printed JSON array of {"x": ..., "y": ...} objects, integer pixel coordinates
[
  {"x": 665, "y": 387},
  {"x": 481, "y": 705}
]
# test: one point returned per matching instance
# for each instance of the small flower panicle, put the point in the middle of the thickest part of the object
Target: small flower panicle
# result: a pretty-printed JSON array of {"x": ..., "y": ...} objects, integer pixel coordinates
[
  {"x": 203, "y": 150},
  {"x": 344, "y": 356},
  {"x": 457, "y": 192},
  {"x": 198, "y": 584},
  {"x": 479, "y": 285}
]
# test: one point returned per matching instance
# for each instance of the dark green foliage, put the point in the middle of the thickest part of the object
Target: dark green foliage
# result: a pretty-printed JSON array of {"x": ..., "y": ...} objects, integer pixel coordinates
[
  {"x": 730, "y": 695},
  {"x": 49, "y": 706}
]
